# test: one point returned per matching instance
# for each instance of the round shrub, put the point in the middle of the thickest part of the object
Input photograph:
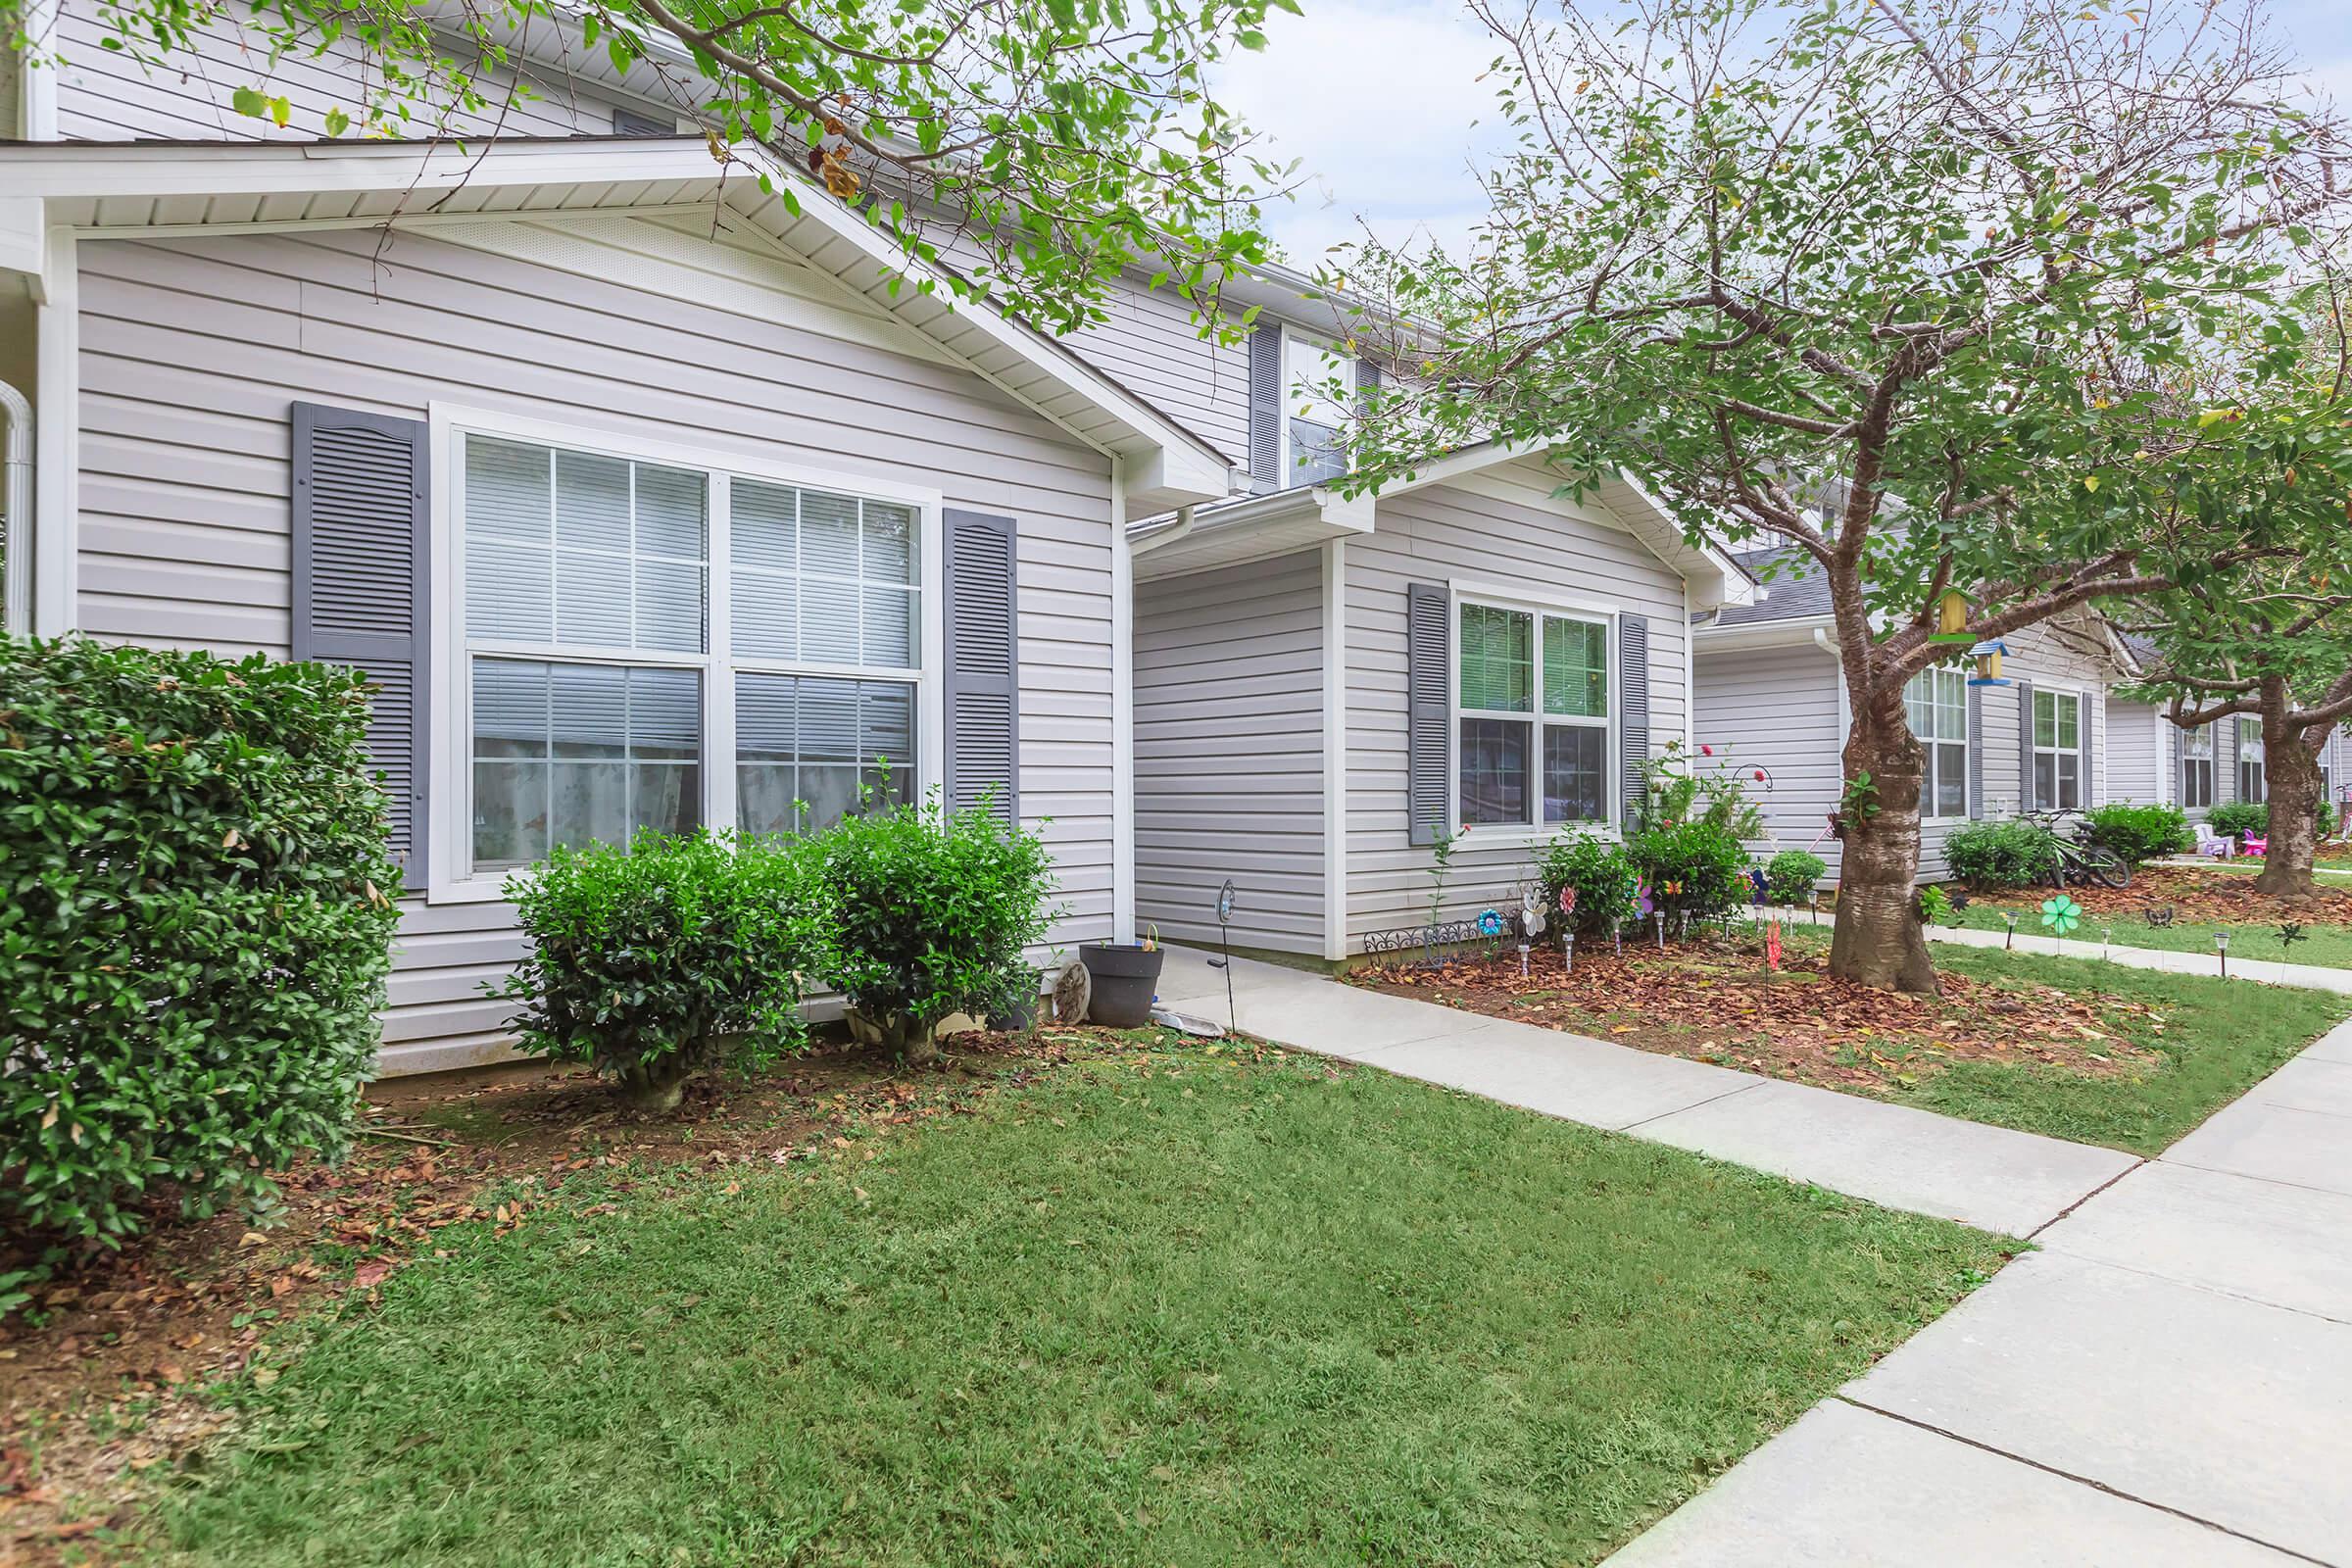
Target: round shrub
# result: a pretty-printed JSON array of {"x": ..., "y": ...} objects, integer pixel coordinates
[
  {"x": 672, "y": 956},
  {"x": 2013, "y": 854},
  {"x": 2140, "y": 833},
  {"x": 2234, "y": 817},
  {"x": 195, "y": 924},
  {"x": 1598, "y": 871},
  {"x": 929, "y": 911},
  {"x": 1695, "y": 870},
  {"x": 1791, "y": 876}
]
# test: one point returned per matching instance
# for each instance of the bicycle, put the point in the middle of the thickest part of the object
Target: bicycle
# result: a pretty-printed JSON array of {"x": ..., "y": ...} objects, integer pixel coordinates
[{"x": 2081, "y": 859}]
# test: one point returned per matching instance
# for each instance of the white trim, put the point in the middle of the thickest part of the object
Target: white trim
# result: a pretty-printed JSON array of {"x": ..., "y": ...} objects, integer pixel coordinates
[
  {"x": 1926, "y": 817},
  {"x": 57, "y": 441},
  {"x": 1690, "y": 678},
  {"x": 2080, "y": 691},
  {"x": 449, "y": 875},
  {"x": 1335, "y": 750},
  {"x": 1539, "y": 603},
  {"x": 16, "y": 509},
  {"x": 36, "y": 85},
  {"x": 1122, "y": 713}
]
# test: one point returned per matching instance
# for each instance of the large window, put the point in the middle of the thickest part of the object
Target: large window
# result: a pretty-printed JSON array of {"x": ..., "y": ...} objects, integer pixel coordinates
[
  {"x": 1532, "y": 690},
  {"x": 2252, "y": 780},
  {"x": 2057, "y": 750},
  {"x": 2196, "y": 767},
  {"x": 1314, "y": 421},
  {"x": 623, "y": 619},
  {"x": 1936, "y": 701}
]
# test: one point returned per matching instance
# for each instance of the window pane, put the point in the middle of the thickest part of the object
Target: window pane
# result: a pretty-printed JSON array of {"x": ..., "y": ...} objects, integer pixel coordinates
[
  {"x": 1493, "y": 781},
  {"x": 2045, "y": 780},
  {"x": 2045, "y": 719},
  {"x": 1951, "y": 779},
  {"x": 1315, "y": 451},
  {"x": 1575, "y": 668},
  {"x": 824, "y": 579},
  {"x": 2068, "y": 712},
  {"x": 1576, "y": 760},
  {"x": 672, "y": 505},
  {"x": 2070, "y": 785},
  {"x": 622, "y": 744},
  {"x": 1497, "y": 660},
  {"x": 889, "y": 542},
  {"x": 592, "y": 502},
  {"x": 813, "y": 741},
  {"x": 763, "y": 522},
  {"x": 592, "y": 599},
  {"x": 828, "y": 534},
  {"x": 508, "y": 490},
  {"x": 1309, "y": 374}
]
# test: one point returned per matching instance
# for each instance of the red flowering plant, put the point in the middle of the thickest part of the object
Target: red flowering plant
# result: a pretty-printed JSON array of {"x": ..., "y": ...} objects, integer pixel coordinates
[{"x": 1678, "y": 787}]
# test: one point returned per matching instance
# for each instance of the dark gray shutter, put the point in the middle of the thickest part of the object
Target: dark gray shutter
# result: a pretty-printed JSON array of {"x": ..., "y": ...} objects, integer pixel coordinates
[
  {"x": 1976, "y": 751},
  {"x": 2179, "y": 765},
  {"x": 361, "y": 588},
  {"x": 2024, "y": 746},
  {"x": 982, "y": 656},
  {"x": 1265, "y": 406},
  {"x": 2083, "y": 738},
  {"x": 1428, "y": 708},
  {"x": 1367, "y": 383},
  {"x": 2229, "y": 726},
  {"x": 1633, "y": 710}
]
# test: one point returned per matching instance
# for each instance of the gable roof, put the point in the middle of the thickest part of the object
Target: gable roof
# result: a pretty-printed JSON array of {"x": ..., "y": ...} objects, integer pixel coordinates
[
  {"x": 1798, "y": 590},
  {"x": 214, "y": 187}
]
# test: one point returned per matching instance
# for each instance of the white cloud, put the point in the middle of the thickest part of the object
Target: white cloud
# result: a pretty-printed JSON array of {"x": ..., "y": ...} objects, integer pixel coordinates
[{"x": 1376, "y": 101}]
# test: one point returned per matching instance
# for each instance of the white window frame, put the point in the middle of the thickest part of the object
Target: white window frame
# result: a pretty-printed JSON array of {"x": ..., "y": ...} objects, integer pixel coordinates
[
  {"x": 1292, "y": 338},
  {"x": 1934, "y": 674},
  {"x": 2251, "y": 748},
  {"x": 1559, "y": 606},
  {"x": 450, "y": 877},
  {"x": 2196, "y": 746},
  {"x": 2081, "y": 701}
]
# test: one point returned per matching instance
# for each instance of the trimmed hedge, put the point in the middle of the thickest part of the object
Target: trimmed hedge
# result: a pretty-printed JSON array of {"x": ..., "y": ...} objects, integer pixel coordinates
[
  {"x": 2001, "y": 855},
  {"x": 1600, "y": 872},
  {"x": 195, "y": 925},
  {"x": 2233, "y": 817},
  {"x": 1695, "y": 870},
  {"x": 1793, "y": 876},
  {"x": 2140, "y": 833}
]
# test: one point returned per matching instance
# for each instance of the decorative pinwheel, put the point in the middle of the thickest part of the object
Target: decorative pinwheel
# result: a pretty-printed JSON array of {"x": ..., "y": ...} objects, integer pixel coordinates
[
  {"x": 1567, "y": 899},
  {"x": 1490, "y": 923},
  {"x": 1756, "y": 881},
  {"x": 1643, "y": 901},
  {"x": 2060, "y": 915}
]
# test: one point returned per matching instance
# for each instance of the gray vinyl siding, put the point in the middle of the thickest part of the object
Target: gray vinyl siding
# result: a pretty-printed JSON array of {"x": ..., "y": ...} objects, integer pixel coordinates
[
  {"x": 1151, "y": 345},
  {"x": 2139, "y": 755},
  {"x": 1777, "y": 708},
  {"x": 2060, "y": 657},
  {"x": 1229, "y": 752},
  {"x": 1445, "y": 534},
  {"x": 193, "y": 349},
  {"x": 104, "y": 95}
]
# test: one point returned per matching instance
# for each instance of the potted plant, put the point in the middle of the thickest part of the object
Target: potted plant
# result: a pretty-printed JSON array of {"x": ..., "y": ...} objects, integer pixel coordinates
[{"x": 1125, "y": 977}]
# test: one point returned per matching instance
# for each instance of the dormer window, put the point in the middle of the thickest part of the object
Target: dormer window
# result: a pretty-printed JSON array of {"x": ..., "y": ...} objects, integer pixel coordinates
[{"x": 1313, "y": 447}]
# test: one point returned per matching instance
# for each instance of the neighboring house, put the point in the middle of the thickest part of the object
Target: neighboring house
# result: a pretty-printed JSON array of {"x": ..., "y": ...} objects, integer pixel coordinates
[
  {"x": 2213, "y": 763},
  {"x": 647, "y": 502},
  {"x": 1771, "y": 694}
]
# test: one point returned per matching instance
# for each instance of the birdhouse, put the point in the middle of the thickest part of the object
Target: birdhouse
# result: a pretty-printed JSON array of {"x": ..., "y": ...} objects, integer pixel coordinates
[
  {"x": 1952, "y": 619},
  {"x": 1989, "y": 663}
]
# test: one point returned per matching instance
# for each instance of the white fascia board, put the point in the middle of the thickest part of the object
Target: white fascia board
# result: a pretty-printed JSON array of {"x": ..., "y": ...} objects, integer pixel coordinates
[{"x": 1801, "y": 631}]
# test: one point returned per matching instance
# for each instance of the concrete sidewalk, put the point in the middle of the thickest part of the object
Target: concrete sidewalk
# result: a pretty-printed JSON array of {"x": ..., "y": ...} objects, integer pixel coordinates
[
  {"x": 2167, "y": 1384},
  {"x": 2168, "y": 1381},
  {"x": 1989, "y": 1177}
]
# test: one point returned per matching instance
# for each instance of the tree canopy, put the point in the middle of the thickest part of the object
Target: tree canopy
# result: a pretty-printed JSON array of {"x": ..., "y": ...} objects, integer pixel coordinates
[{"x": 1036, "y": 146}]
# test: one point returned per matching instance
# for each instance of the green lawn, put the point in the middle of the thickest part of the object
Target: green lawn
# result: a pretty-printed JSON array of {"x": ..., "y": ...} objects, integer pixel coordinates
[
  {"x": 2328, "y": 946},
  {"x": 1213, "y": 1313},
  {"x": 2218, "y": 1038}
]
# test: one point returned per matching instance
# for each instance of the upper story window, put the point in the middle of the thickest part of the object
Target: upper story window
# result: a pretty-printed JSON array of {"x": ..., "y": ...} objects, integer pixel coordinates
[
  {"x": 2252, "y": 760},
  {"x": 1936, "y": 704},
  {"x": 1532, "y": 691},
  {"x": 2196, "y": 767},
  {"x": 648, "y": 645},
  {"x": 1314, "y": 421},
  {"x": 2057, "y": 750}
]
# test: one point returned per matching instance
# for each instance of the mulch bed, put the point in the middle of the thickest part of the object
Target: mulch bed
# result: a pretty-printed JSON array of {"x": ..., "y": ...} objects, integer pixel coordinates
[
  {"x": 1715, "y": 1001},
  {"x": 2218, "y": 898},
  {"x": 101, "y": 1380}
]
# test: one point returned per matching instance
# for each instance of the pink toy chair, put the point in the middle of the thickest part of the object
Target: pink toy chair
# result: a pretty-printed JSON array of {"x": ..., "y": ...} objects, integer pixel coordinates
[{"x": 2255, "y": 846}]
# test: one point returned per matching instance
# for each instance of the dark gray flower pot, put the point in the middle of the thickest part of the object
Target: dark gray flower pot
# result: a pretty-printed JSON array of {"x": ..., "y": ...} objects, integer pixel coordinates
[{"x": 1125, "y": 977}]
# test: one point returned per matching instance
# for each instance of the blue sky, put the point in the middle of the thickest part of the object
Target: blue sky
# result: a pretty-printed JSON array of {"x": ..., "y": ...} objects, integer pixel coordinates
[{"x": 1377, "y": 98}]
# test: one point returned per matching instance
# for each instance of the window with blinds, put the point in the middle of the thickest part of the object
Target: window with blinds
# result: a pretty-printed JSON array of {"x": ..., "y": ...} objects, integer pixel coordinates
[
  {"x": 1533, "y": 736},
  {"x": 1935, "y": 704},
  {"x": 592, "y": 670}
]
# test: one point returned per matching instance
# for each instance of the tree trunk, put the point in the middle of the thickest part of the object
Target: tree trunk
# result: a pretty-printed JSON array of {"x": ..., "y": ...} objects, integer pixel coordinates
[
  {"x": 655, "y": 1087},
  {"x": 917, "y": 1043},
  {"x": 1879, "y": 938},
  {"x": 2292, "y": 773}
]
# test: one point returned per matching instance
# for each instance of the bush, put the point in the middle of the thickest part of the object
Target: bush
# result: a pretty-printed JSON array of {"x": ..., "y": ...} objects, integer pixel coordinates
[
  {"x": 1677, "y": 787},
  {"x": 2234, "y": 817},
  {"x": 673, "y": 955},
  {"x": 195, "y": 930},
  {"x": 2140, "y": 833},
  {"x": 2013, "y": 854},
  {"x": 1791, "y": 876},
  {"x": 1693, "y": 869},
  {"x": 1598, "y": 871},
  {"x": 929, "y": 913}
]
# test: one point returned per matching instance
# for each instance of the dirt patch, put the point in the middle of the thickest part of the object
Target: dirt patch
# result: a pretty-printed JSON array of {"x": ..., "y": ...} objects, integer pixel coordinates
[
  {"x": 2218, "y": 898},
  {"x": 1715, "y": 1001},
  {"x": 100, "y": 1380}
]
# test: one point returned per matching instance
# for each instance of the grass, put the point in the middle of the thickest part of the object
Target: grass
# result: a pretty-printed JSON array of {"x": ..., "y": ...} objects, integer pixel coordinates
[
  {"x": 1187, "y": 1308},
  {"x": 2327, "y": 946},
  {"x": 2218, "y": 1038}
]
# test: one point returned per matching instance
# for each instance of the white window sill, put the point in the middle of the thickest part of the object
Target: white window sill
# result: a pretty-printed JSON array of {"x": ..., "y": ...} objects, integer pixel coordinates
[
  {"x": 1530, "y": 837},
  {"x": 472, "y": 890}
]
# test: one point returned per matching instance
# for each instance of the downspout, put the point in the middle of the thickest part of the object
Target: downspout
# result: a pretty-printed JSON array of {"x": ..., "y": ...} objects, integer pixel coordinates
[
  {"x": 1166, "y": 536},
  {"x": 15, "y": 507}
]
